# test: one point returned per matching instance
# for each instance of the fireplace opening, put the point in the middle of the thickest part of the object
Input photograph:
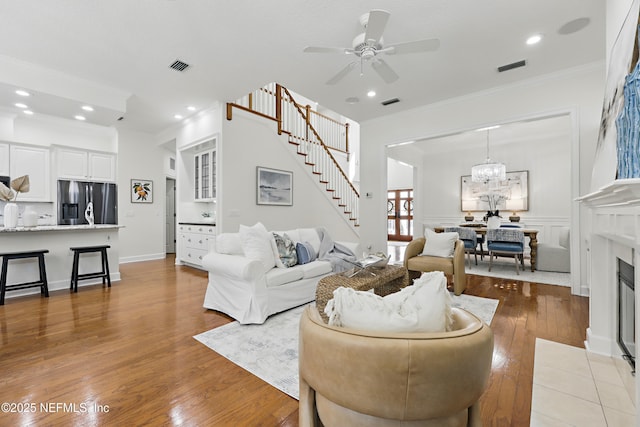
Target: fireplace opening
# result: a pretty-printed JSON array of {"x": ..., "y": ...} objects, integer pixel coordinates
[{"x": 627, "y": 312}]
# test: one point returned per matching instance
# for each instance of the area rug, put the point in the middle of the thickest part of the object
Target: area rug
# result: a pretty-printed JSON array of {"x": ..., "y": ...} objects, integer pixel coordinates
[
  {"x": 506, "y": 269},
  {"x": 270, "y": 351}
]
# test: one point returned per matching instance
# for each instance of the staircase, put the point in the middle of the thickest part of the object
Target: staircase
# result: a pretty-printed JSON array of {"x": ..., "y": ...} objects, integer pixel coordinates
[{"x": 314, "y": 136}]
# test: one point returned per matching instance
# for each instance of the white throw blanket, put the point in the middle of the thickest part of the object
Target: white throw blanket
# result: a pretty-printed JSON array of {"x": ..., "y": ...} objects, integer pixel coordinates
[{"x": 334, "y": 252}]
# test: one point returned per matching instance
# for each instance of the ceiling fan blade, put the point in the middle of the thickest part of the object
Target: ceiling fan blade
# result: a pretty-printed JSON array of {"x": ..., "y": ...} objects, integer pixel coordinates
[
  {"x": 412, "y": 47},
  {"x": 384, "y": 70},
  {"x": 320, "y": 49},
  {"x": 335, "y": 79},
  {"x": 376, "y": 24}
]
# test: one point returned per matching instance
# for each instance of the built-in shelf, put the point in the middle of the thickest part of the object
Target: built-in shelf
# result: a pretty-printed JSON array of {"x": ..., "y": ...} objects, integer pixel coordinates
[{"x": 620, "y": 193}]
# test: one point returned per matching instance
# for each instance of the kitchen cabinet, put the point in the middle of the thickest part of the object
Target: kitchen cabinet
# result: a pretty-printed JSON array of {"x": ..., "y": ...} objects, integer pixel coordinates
[
  {"x": 85, "y": 165},
  {"x": 194, "y": 242},
  {"x": 32, "y": 161},
  {"x": 205, "y": 176},
  {"x": 4, "y": 159}
]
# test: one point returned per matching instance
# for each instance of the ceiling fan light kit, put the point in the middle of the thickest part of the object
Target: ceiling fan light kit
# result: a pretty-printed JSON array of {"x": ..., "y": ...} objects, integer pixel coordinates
[{"x": 369, "y": 47}]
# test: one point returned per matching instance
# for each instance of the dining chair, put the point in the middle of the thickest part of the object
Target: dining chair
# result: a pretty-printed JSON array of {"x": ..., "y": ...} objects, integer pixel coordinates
[
  {"x": 506, "y": 242},
  {"x": 470, "y": 239}
]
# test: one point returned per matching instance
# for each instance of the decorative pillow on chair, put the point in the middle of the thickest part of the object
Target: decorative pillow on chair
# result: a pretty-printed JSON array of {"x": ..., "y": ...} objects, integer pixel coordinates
[
  {"x": 423, "y": 307},
  {"x": 305, "y": 253},
  {"x": 439, "y": 244},
  {"x": 256, "y": 244},
  {"x": 285, "y": 251}
]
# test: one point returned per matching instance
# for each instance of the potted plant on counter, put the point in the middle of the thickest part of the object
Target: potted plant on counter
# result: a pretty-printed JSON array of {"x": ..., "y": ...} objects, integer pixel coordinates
[{"x": 18, "y": 185}]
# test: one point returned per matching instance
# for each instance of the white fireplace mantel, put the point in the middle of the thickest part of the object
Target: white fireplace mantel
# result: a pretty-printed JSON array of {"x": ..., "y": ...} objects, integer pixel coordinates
[{"x": 620, "y": 193}]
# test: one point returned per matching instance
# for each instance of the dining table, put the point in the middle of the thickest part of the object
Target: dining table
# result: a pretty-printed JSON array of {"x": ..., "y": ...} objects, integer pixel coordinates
[{"x": 531, "y": 233}]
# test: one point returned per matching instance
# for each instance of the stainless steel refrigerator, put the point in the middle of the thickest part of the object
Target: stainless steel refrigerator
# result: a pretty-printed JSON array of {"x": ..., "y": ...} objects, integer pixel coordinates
[{"x": 74, "y": 196}]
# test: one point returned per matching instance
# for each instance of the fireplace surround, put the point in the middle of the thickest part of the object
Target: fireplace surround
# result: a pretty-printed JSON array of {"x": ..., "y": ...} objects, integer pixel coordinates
[{"x": 626, "y": 314}]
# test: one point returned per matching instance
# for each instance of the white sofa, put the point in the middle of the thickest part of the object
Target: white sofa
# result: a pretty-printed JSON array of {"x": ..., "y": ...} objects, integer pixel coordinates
[{"x": 249, "y": 291}]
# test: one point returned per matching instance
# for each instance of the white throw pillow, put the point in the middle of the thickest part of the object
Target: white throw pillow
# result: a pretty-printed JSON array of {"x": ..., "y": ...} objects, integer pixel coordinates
[
  {"x": 256, "y": 244},
  {"x": 439, "y": 244},
  {"x": 229, "y": 244},
  {"x": 423, "y": 307}
]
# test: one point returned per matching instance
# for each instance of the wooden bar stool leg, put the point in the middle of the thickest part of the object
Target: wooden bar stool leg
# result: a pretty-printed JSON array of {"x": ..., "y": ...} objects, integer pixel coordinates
[
  {"x": 3, "y": 280},
  {"x": 44, "y": 289},
  {"x": 74, "y": 272},
  {"x": 105, "y": 263}
]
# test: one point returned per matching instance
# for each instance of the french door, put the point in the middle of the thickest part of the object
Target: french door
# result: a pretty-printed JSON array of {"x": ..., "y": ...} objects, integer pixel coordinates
[{"x": 400, "y": 214}]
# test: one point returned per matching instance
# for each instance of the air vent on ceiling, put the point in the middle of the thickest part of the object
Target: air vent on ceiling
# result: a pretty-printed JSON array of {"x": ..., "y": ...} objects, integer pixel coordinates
[
  {"x": 512, "y": 66},
  {"x": 179, "y": 65},
  {"x": 390, "y": 101}
]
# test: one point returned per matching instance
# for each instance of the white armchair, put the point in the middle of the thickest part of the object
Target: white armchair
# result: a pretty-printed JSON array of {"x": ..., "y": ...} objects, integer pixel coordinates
[{"x": 555, "y": 257}]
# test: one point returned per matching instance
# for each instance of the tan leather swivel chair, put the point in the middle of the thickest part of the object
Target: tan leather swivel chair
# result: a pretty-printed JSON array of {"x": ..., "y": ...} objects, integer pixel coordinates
[
  {"x": 415, "y": 263},
  {"x": 358, "y": 378}
]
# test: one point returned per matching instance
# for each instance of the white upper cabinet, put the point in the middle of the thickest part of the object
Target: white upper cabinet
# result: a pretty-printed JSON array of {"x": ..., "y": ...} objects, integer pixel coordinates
[
  {"x": 205, "y": 176},
  {"x": 85, "y": 165},
  {"x": 32, "y": 161},
  {"x": 4, "y": 159}
]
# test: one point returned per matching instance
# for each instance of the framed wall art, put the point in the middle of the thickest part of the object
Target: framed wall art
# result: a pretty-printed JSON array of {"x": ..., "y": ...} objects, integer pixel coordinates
[
  {"x": 274, "y": 187},
  {"x": 141, "y": 191},
  {"x": 482, "y": 197}
]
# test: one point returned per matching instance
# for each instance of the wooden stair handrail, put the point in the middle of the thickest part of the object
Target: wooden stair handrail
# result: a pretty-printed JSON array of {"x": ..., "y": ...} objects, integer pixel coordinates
[{"x": 322, "y": 144}]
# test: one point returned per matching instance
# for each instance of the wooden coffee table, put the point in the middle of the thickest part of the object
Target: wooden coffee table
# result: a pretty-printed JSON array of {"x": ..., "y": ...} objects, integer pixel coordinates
[{"x": 384, "y": 281}]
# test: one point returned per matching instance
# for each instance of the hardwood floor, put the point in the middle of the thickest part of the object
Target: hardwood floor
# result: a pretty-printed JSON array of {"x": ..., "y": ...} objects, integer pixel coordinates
[{"x": 129, "y": 349}]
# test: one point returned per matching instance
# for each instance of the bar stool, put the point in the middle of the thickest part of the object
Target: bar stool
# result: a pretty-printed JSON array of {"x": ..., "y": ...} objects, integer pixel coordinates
[
  {"x": 42, "y": 283},
  {"x": 103, "y": 273}
]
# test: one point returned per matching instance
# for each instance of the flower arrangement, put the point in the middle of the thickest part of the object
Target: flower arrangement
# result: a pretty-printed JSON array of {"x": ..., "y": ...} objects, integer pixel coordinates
[
  {"x": 18, "y": 185},
  {"x": 493, "y": 199}
]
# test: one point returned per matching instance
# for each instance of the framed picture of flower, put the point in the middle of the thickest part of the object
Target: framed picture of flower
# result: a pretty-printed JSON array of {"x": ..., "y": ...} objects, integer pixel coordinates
[{"x": 141, "y": 191}]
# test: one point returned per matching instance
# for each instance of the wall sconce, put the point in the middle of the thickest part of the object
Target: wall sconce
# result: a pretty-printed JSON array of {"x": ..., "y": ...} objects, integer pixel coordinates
[{"x": 515, "y": 205}]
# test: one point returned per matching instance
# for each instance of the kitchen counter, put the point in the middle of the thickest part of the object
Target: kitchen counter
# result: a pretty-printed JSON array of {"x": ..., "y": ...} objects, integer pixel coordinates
[
  {"x": 213, "y": 223},
  {"x": 61, "y": 228},
  {"x": 59, "y": 260}
]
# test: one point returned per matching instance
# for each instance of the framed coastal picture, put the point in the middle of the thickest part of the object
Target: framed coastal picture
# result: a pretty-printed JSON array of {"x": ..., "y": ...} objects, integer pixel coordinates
[
  {"x": 141, "y": 191},
  {"x": 274, "y": 187}
]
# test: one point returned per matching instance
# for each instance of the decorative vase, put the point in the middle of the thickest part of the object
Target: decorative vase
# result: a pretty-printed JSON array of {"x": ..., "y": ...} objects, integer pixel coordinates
[
  {"x": 493, "y": 222},
  {"x": 10, "y": 215},
  {"x": 29, "y": 217}
]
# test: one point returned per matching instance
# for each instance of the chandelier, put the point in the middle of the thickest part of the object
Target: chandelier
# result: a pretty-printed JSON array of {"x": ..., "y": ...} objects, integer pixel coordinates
[{"x": 488, "y": 171}]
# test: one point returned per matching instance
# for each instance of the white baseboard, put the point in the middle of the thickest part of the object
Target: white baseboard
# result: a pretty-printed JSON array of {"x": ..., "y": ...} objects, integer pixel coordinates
[{"x": 146, "y": 257}]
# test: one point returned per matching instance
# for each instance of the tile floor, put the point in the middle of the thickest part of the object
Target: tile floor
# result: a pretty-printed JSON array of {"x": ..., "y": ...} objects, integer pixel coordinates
[{"x": 572, "y": 387}]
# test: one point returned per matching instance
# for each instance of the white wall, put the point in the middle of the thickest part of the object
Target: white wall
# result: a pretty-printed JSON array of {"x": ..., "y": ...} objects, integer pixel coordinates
[
  {"x": 142, "y": 237},
  {"x": 248, "y": 142},
  {"x": 578, "y": 92},
  {"x": 399, "y": 175}
]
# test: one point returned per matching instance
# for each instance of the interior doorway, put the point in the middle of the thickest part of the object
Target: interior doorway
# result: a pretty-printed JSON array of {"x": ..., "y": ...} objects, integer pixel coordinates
[
  {"x": 400, "y": 215},
  {"x": 170, "y": 241}
]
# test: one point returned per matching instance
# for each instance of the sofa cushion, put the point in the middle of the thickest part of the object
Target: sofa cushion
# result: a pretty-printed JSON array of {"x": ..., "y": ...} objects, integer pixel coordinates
[
  {"x": 315, "y": 268},
  {"x": 280, "y": 276},
  {"x": 305, "y": 252},
  {"x": 310, "y": 235},
  {"x": 439, "y": 244},
  {"x": 424, "y": 306},
  {"x": 284, "y": 251},
  {"x": 229, "y": 244},
  {"x": 256, "y": 244}
]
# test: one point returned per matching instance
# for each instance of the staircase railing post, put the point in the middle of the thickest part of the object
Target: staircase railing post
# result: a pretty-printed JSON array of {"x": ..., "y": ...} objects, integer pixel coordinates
[
  {"x": 346, "y": 140},
  {"x": 279, "y": 107}
]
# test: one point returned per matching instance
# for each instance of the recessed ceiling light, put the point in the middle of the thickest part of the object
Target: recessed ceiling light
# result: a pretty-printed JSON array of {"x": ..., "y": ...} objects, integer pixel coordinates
[
  {"x": 534, "y": 39},
  {"x": 177, "y": 116},
  {"x": 20, "y": 105},
  {"x": 28, "y": 112},
  {"x": 488, "y": 128},
  {"x": 371, "y": 93},
  {"x": 23, "y": 92},
  {"x": 79, "y": 117},
  {"x": 87, "y": 108},
  {"x": 191, "y": 108}
]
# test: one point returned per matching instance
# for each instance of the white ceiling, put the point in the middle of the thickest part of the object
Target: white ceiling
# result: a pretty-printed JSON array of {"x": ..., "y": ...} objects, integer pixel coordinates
[{"x": 115, "y": 54}]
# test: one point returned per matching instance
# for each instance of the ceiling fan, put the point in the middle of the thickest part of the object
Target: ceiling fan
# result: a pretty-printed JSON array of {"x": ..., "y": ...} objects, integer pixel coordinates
[{"x": 369, "y": 47}]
